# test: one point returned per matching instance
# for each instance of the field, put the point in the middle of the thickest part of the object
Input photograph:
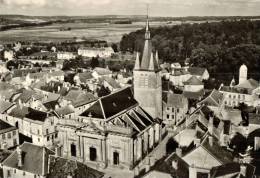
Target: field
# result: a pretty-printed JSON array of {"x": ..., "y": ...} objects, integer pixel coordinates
[{"x": 100, "y": 31}]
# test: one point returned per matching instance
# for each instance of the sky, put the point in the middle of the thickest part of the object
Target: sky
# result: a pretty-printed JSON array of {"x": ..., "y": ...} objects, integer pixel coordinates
[{"x": 167, "y": 8}]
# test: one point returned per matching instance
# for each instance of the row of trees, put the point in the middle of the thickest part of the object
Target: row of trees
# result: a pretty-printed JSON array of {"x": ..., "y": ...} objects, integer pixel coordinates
[{"x": 220, "y": 46}]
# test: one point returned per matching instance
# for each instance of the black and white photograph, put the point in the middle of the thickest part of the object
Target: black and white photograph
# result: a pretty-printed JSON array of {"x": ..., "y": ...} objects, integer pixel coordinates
[{"x": 129, "y": 88}]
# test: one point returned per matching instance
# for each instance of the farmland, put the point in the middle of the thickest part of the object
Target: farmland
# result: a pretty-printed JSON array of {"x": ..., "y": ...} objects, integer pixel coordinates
[{"x": 100, "y": 31}]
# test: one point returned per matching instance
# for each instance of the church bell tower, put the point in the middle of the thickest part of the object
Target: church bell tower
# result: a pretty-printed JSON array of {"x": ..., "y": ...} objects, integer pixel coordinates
[{"x": 147, "y": 78}]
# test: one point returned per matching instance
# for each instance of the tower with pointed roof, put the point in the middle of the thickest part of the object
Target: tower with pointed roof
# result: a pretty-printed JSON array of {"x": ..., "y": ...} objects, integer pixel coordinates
[{"x": 147, "y": 78}]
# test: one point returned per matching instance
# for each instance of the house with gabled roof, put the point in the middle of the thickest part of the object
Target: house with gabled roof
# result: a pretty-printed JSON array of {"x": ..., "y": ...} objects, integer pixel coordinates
[
  {"x": 36, "y": 124},
  {"x": 28, "y": 160},
  {"x": 114, "y": 131}
]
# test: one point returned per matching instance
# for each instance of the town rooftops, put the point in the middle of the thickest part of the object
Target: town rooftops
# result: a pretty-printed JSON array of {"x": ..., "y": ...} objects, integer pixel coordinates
[
  {"x": 79, "y": 97},
  {"x": 34, "y": 159},
  {"x": 5, "y": 127},
  {"x": 5, "y": 105},
  {"x": 174, "y": 100},
  {"x": 85, "y": 76},
  {"x": 111, "y": 82},
  {"x": 198, "y": 71},
  {"x": 61, "y": 167},
  {"x": 214, "y": 99},
  {"x": 193, "y": 81},
  {"x": 233, "y": 170},
  {"x": 32, "y": 114},
  {"x": 248, "y": 84},
  {"x": 194, "y": 95},
  {"x": 102, "y": 71},
  {"x": 112, "y": 104}
]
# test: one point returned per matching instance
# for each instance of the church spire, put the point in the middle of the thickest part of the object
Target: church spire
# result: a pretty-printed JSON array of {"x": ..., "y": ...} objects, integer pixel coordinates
[
  {"x": 151, "y": 64},
  {"x": 147, "y": 31},
  {"x": 137, "y": 62}
]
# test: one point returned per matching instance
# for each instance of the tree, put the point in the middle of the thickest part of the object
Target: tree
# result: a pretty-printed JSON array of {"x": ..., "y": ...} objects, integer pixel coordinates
[
  {"x": 114, "y": 47},
  {"x": 94, "y": 62},
  {"x": 103, "y": 91}
]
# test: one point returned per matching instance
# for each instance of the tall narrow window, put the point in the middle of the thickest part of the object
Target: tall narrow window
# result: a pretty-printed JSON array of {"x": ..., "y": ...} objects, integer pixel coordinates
[
  {"x": 92, "y": 154},
  {"x": 116, "y": 158},
  {"x": 73, "y": 150}
]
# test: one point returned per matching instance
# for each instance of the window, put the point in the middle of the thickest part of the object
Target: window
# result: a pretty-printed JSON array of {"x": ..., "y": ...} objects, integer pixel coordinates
[
  {"x": 14, "y": 132},
  {"x": 47, "y": 131},
  {"x": 14, "y": 142},
  {"x": 229, "y": 96},
  {"x": 92, "y": 154},
  {"x": 172, "y": 109},
  {"x": 8, "y": 173},
  {"x": 38, "y": 131},
  {"x": 73, "y": 149},
  {"x": 3, "y": 136},
  {"x": 168, "y": 116},
  {"x": 56, "y": 135},
  {"x": 48, "y": 138},
  {"x": 9, "y": 135},
  {"x": 116, "y": 158},
  {"x": 178, "y": 110},
  {"x": 238, "y": 96},
  {"x": 39, "y": 139}
]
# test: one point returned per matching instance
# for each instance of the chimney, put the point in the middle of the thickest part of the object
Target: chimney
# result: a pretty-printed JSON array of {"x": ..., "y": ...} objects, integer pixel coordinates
[
  {"x": 57, "y": 151},
  {"x": 243, "y": 170},
  {"x": 210, "y": 141},
  {"x": 197, "y": 142},
  {"x": 210, "y": 124},
  {"x": 179, "y": 152},
  {"x": 19, "y": 155}
]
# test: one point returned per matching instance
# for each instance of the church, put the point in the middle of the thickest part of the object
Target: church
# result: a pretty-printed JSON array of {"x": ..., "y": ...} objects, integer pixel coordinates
[
  {"x": 121, "y": 129},
  {"x": 147, "y": 79}
]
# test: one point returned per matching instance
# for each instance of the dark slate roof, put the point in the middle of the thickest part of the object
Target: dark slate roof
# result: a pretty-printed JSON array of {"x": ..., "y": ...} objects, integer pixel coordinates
[
  {"x": 174, "y": 100},
  {"x": 4, "y": 105},
  {"x": 193, "y": 95},
  {"x": 231, "y": 169},
  {"x": 51, "y": 105},
  {"x": 61, "y": 167},
  {"x": 220, "y": 153},
  {"x": 36, "y": 115},
  {"x": 214, "y": 99},
  {"x": 4, "y": 154},
  {"x": 5, "y": 127},
  {"x": 35, "y": 159},
  {"x": 111, "y": 82},
  {"x": 196, "y": 70},
  {"x": 112, "y": 104}
]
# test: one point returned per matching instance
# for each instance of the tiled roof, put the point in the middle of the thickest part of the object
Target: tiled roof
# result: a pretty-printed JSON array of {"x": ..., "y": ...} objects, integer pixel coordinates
[
  {"x": 248, "y": 84},
  {"x": 199, "y": 71},
  {"x": 61, "y": 167},
  {"x": 111, "y": 82},
  {"x": 83, "y": 77},
  {"x": 174, "y": 100},
  {"x": 102, "y": 71},
  {"x": 220, "y": 153},
  {"x": 64, "y": 110},
  {"x": 193, "y": 95},
  {"x": 4, "y": 105},
  {"x": 193, "y": 81},
  {"x": 79, "y": 97},
  {"x": 214, "y": 99},
  {"x": 232, "y": 169},
  {"x": 35, "y": 159}
]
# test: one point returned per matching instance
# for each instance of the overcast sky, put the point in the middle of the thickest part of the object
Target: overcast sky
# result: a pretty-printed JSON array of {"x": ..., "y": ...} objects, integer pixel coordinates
[{"x": 131, "y": 7}]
